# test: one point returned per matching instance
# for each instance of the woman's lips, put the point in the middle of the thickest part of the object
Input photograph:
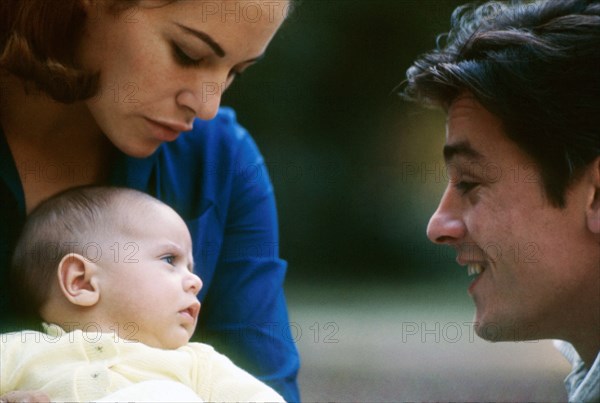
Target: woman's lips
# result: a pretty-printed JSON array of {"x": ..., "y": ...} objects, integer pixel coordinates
[{"x": 166, "y": 131}]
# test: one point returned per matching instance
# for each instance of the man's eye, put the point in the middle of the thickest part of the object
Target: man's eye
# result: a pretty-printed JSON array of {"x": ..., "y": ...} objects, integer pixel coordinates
[
  {"x": 170, "y": 259},
  {"x": 465, "y": 187},
  {"x": 183, "y": 59}
]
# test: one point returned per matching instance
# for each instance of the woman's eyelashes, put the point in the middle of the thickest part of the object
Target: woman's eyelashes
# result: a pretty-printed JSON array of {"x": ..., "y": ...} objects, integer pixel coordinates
[
  {"x": 183, "y": 59},
  {"x": 186, "y": 61}
]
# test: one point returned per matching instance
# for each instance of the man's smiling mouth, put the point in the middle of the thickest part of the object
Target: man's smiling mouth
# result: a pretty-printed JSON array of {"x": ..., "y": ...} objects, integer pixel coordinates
[{"x": 474, "y": 269}]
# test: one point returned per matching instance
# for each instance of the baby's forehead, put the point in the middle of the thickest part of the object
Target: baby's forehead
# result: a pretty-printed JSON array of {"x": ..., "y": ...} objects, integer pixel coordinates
[
  {"x": 139, "y": 216},
  {"x": 129, "y": 205},
  {"x": 125, "y": 213}
]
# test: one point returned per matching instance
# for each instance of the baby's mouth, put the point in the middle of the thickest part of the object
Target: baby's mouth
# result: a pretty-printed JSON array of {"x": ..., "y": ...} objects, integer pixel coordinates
[{"x": 192, "y": 310}]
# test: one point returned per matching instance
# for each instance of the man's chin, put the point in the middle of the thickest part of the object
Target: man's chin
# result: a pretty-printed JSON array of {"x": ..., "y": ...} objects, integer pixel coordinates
[
  {"x": 494, "y": 331},
  {"x": 485, "y": 327},
  {"x": 487, "y": 331}
]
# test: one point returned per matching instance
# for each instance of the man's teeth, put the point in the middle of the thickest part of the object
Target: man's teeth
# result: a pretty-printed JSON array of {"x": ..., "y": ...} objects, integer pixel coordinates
[{"x": 474, "y": 269}]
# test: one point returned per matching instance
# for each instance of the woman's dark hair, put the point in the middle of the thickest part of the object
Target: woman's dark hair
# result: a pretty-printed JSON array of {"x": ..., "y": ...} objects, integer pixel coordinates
[
  {"x": 536, "y": 66},
  {"x": 38, "y": 39}
]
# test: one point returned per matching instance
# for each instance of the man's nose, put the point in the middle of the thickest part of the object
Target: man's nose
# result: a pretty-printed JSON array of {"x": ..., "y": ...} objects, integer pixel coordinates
[{"x": 446, "y": 225}]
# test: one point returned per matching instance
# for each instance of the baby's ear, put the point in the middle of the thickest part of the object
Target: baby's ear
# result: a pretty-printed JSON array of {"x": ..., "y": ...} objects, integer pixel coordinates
[
  {"x": 593, "y": 208},
  {"x": 78, "y": 280}
]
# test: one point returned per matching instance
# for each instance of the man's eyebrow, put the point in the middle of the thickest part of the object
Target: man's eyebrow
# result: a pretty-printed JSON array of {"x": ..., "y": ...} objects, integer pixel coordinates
[
  {"x": 206, "y": 38},
  {"x": 462, "y": 148}
]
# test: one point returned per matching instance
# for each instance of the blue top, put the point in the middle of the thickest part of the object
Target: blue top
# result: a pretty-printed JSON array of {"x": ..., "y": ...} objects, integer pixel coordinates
[{"x": 215, "y": 178}]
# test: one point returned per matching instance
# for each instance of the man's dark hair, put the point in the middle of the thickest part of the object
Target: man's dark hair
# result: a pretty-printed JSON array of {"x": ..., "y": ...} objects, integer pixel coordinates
[{"x": 536, "y": 66}]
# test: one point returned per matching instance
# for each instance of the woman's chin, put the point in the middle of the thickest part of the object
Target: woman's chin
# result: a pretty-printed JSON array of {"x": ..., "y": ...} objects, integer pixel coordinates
[{"x": 139, "y": 150}]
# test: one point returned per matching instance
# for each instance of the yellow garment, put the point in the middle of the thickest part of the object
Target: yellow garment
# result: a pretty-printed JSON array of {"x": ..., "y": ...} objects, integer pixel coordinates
[{"x": 85, "y": 366}]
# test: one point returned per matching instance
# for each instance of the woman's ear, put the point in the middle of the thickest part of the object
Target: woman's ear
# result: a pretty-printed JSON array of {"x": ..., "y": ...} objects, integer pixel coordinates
[
  {"x": 593, "y": 207},
  {"x": 78, "y": 280}
]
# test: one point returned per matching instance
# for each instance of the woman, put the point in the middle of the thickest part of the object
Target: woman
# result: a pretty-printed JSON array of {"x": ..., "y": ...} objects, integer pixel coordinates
[{"x": 127, "y": 93}]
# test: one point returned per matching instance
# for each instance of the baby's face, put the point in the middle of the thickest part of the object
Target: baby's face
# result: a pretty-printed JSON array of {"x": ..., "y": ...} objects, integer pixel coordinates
[{"x": 148, "y": 289}]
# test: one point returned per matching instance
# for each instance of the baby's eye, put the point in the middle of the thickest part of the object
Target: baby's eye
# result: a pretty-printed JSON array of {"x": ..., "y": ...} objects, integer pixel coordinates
[{"x": 169, "y": 259}]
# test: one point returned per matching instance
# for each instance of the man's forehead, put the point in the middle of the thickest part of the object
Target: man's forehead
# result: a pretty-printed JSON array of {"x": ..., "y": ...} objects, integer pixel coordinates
[
  {"x": 471, "y": 129},
  {"x": 463, "y": 105}
]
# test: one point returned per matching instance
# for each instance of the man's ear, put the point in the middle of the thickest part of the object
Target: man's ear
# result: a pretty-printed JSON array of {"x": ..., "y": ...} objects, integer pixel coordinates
[
  {"x": 593, "y": 206},
  {"x": 78, "y": 280}
]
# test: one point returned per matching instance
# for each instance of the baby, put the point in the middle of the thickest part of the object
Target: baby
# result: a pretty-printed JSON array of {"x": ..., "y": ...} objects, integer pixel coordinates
[{"x": 110, "y": 272}]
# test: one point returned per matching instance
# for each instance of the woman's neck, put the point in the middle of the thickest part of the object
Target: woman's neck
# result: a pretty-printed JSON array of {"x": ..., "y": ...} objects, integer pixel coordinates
[
  {"x": 55, "y": 146},
  {"x": 29, "y": 113}
]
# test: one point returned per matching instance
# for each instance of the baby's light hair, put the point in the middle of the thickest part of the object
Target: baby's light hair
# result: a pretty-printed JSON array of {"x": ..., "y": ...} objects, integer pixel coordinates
[{"x": 72, "y": 221}]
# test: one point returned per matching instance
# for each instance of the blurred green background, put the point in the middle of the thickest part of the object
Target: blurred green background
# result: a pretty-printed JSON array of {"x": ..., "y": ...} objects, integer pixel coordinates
[
  {"x": 357, "y": 172},
  {"x": 377, "y": 311}
]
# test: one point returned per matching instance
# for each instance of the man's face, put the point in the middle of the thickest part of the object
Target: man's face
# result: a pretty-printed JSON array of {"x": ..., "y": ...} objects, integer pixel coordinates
[{"x": 535, "y": 262}]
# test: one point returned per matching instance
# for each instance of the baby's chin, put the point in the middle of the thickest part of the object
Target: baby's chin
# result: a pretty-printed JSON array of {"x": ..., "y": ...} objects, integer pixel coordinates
[{"x": 166, "y": 342}]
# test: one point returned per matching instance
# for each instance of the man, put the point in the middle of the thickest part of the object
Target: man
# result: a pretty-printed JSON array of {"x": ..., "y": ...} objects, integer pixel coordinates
[{"x": 521, "y": 87}]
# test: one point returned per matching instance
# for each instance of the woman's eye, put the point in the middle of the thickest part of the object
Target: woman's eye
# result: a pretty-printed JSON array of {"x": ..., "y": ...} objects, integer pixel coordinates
[
  {"x": 465, "y": 187},
  {"x": 170, "y": 259},
  {"x": 183, "y": 59}
]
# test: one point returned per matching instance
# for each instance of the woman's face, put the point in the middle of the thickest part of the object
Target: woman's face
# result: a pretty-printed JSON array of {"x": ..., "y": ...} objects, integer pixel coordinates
[{"x": 161, "y": 64}]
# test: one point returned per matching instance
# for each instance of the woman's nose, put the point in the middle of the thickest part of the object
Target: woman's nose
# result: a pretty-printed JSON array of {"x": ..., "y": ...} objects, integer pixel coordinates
[
  {"x": 203, "y": 103},
  {"x": 203, "y": 99},
  {"x": 446, "y": 225}
]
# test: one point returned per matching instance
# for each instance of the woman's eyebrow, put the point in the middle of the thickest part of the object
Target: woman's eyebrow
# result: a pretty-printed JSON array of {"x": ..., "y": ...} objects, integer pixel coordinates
[{"x": 206, "y": 38}]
